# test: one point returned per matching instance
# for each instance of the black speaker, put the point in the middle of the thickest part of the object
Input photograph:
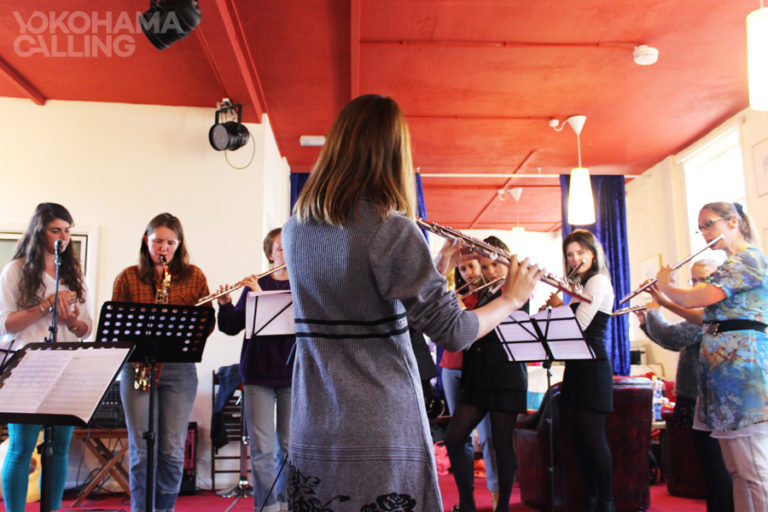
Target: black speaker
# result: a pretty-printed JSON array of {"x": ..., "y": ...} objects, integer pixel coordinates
[{"x": 189, "y": 477}]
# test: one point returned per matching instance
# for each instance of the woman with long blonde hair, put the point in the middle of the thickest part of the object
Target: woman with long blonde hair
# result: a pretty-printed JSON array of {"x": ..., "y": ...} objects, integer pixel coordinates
[{"x": 360, "y": 274}]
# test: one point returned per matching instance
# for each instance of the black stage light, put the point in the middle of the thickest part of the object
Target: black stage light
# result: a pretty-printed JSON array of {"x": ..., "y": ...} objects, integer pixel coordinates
[
  {"x": 168, "y": 21},
  {"x": 230, "y": 135}
]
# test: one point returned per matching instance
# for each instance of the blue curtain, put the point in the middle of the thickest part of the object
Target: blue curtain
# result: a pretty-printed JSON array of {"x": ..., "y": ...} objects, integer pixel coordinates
[
  {"x": 298, "y": 179},
  {"x": 611, "y": 229}
]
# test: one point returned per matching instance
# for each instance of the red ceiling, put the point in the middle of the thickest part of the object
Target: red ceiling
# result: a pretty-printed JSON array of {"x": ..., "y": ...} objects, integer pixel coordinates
[{"x": 478, "y": 81}]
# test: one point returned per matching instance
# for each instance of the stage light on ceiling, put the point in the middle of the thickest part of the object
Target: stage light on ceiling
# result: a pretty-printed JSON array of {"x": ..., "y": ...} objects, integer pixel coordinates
[
  {"x": 757, "y": 58},
  {"x": 229, "y": 134},
  {"x": 168, "y": 21}
]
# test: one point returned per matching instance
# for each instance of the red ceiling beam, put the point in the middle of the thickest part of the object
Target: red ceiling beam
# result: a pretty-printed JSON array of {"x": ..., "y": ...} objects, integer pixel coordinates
[
  {"x": 495, "y": 195},
  {"x": 205, "y": 44},
  {"x": 625, "y": 45},
  {"x": 20, "y": 80},
  {"x": 236, "y": 36},
  {"x": 470, "y": 117},
  {"x": 354, "y": 48}
]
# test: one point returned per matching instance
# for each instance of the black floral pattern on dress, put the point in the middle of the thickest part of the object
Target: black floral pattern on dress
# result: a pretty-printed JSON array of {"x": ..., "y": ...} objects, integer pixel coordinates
[
  {"x": 392, "y": 502},
  {"x": 302, "y": 497}
]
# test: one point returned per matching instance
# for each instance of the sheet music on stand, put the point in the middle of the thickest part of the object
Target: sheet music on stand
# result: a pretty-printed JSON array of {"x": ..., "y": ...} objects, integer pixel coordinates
[
  {"x": 269, "y": 313},
  {"x": 59, "y": 383},
  {"x": 550, "y": 334}
]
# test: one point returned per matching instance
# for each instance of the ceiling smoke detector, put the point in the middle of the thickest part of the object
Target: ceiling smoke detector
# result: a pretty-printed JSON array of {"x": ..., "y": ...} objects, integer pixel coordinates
[{"x": 645, "y": 55}]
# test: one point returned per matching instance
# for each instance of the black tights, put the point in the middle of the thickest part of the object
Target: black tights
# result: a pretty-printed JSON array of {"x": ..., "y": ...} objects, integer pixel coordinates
[
  {"x": 463, "y": 422},
  {"x": 594, "y": 454}
]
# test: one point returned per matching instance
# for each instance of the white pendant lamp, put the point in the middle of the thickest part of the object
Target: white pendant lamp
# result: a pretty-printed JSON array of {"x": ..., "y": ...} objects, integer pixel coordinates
[
  {"x": 757, "y": 58},
  {"x": 581, "y": 203}
]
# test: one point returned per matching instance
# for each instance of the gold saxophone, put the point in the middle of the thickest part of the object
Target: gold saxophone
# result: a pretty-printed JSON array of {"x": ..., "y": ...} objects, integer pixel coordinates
[{"x": 141, "y": 371}]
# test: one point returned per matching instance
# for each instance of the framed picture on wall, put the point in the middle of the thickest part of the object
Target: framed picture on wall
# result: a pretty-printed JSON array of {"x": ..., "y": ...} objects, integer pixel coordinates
[
  {"x": 760, "y": 164},
  {"x": 9, "y": 239}
]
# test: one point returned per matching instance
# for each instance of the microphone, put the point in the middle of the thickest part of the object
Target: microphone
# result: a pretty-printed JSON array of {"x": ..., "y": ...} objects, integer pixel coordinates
[{"x": 58, "y": 245}]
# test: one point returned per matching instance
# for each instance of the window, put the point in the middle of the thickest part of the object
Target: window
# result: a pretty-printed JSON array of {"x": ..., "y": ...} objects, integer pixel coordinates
[{"x": 714, "y": 171}]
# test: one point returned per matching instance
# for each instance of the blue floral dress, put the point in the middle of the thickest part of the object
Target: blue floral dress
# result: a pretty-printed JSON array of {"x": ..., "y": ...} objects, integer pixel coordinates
[{"x": 733, "y": 389}]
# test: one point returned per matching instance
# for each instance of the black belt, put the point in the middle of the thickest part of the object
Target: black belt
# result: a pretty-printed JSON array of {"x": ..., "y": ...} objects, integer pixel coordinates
[{"x": 734, "y": 325}]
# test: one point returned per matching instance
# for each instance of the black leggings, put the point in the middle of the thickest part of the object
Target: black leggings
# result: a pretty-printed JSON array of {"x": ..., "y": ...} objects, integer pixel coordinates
[
  {"x": 463, "y": 422},
  {"x": 594, "y": 454}
]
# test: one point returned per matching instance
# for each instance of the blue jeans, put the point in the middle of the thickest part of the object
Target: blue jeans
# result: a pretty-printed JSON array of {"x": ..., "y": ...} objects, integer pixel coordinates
[
  {"x": 173, "y": 407},
  {"x": 265, "y": 440},
  {"x": 22, "y": 440},
  {"x": 452, "y": 388}
]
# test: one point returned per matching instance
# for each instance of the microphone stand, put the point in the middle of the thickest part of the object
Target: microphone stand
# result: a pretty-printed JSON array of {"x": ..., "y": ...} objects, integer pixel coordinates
[{"x": 46, "y": 449}]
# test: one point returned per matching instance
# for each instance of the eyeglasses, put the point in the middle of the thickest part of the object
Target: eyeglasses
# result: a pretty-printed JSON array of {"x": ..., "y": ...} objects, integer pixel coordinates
[
  {"x": 709, "y": 223},
  {"x": 696, "y": 280}
]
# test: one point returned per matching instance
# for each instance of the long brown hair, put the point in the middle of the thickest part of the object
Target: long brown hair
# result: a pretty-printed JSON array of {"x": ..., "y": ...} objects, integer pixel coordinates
[
  {"x": 368, "y": 151},
  {"x": 588, "y": 240},
  {"x": 179, "y": 266},
  {"x": 31, "y": 249}
]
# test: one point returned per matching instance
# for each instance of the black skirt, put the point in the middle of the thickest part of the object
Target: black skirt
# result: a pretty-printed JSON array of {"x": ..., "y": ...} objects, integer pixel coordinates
[
  {"x": 505, "y": 400},
  {"x": 589, "y": 385}
]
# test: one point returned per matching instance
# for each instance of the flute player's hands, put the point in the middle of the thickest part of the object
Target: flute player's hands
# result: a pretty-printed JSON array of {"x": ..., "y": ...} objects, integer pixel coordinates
[{"x": 521, "y": 279}]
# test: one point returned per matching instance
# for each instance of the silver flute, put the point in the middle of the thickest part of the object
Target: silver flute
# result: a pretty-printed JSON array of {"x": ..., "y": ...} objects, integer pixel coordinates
[
  {"x": 494, "y": 253},
  {"x": 229, "y": 288},
  {"x": 631, "y": 309},
  {"x": 674, "y": 267}
]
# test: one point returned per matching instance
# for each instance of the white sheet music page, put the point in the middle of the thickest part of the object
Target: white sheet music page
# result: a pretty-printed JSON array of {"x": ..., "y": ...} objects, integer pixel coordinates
[
  {"x": 269, "y": 313},
  {"x": 89, "y": 372},
  {"x": 65, "y": 382},
  {"x": 29, "y": 383}
]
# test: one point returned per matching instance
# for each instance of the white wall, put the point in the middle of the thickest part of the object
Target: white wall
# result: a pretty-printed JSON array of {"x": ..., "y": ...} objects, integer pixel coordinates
[
  {"x": 115, "y": 166},
  {"x": 657, "y": 219},
  {"x": 542, "y": 249}
]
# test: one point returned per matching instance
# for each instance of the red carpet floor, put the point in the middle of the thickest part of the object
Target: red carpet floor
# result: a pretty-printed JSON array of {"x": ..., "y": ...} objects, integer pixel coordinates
[{"x": 660, "y": 501}]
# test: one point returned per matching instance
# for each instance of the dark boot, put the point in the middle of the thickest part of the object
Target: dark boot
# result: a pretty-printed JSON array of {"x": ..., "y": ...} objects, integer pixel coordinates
[{"x": 605, "y": 506}]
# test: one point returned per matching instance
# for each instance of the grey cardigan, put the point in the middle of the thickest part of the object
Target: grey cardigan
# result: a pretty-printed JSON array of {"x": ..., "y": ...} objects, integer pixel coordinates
[
  {"x": 359, "y": 432},
  {"x": 683, "y": 337}
]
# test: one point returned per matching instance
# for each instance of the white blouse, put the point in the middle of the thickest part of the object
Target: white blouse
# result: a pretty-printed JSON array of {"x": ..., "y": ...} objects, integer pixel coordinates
[
  {"x": 37, "y": 331},
  {"x": 600, "y": 288}
]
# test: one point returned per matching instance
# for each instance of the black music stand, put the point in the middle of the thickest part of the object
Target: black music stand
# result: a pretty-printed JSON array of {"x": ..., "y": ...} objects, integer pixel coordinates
[
  {"x": 548, "y": 336},
  {"x": 163, "y": 333},
  {"x": 58, "y": 384}
]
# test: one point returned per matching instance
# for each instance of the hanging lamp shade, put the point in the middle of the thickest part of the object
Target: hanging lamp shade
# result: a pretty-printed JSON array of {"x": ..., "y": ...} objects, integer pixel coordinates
[
  {"x": 581, "y": 204},
  {"x": 757, "y": 58}
]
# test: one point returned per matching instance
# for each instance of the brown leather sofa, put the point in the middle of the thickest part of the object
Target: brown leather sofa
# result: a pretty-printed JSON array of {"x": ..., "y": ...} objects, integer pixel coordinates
[{"x": 629, "y": 428}]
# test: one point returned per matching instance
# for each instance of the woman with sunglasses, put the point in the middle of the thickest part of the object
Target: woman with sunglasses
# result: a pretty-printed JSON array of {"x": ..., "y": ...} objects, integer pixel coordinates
[{"x": 733, "y": 384}]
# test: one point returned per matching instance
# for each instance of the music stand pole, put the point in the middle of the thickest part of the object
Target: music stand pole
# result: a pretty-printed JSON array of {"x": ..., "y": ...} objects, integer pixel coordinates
[
  {"x": 149, "y": 434},
  {"x": 46, "y": 449},
  {"x": 162, "y": 333},
  {"x": 547, "y": 363}
]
